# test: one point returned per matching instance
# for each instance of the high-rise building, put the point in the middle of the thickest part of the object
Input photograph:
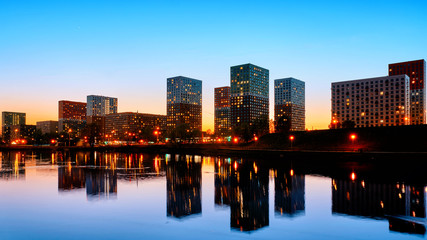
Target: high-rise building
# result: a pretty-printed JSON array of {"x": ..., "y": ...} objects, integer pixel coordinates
[
  {"x": 118, "y": 126},
  {"x": 222, "y": 111},
  {"x": 249, "y": 94},
  {"x": 372, "y": 102},
  {"x": 289, "y": 103},
  {"x": 184, "y": 102},
  {"x": 71, "y": 116},
  {"x": 101, "y": 105},
  {"x": 48, "y": 127},
  {"x": 10, "y": 119},
  {"x": 13, "y": 118},
  {"x": 416, "y": 71}
]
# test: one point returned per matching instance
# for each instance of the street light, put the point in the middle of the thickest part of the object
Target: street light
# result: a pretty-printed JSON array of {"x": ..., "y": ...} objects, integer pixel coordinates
[
  {"x": 69, "y": 136},
  {"x": 157, "y": 135},
  {"x": 292, "y": 139},
  {"x": 353, "y": 137}
]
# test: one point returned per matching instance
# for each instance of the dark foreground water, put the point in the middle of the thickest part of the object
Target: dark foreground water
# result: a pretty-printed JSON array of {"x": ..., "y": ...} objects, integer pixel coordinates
[{"x": 141, "y": 196}]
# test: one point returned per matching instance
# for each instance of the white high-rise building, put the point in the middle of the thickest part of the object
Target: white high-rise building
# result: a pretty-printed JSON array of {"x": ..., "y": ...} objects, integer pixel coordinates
[
  {"x": 371, "y": 102},
  {"x": 101, "y": 105}
]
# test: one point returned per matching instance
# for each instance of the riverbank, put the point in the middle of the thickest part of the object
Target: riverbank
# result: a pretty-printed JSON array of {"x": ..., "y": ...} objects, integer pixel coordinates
[{"x": 249, "y": 151}]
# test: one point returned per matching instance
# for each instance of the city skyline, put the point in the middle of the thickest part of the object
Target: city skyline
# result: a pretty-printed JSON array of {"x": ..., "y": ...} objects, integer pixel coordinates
[{"x": 60, "y": 51}]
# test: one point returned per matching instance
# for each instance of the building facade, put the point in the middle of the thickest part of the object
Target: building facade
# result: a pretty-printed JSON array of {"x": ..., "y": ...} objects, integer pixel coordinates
[
  {"x": 13, "y": 118},
  {"x": 22, "y": 132},
  {"x": 289, "y": 103},
  {"x": 372, "y": 102},
  {"x": 184, "y": 102},
  {"x": 101, "y": 105},
  {"x": 10, "y": 119},
  {"x": 71, "y": 116},
  {"x": 416, "y": 70},
  {"x": 249, "y": 94},
  {"x": 48, "y": 127},
  {"x": 222, "y": 111},
  {"x": 128, "y": 125}
]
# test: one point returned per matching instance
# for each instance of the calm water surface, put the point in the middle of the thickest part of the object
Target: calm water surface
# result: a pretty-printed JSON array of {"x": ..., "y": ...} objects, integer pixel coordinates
[{"x": 139, "y": 196}]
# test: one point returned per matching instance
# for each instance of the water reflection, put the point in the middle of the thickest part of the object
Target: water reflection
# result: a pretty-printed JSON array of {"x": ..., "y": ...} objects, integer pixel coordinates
[
  {"x": 244, "y": 187},
  {"x": 289, "y": 197},
  {"x": 12, "y": 166},
  {"x": 101, "y": 184},
  {"x": 70, "y": 178},
  {"x": 222, "y": 182},
  {"x": 400, "y": 203},
  {"x": 100, "y": 172},
  {"x": 249, "y": 197},
  {"x": 184, "y": 177},
  {"x": 239, "y": 186}
]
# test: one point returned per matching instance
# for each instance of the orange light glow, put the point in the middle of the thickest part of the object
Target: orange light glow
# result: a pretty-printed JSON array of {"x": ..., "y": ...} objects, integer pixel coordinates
[
  {"x": 236, "y": 140},
  {"x": 353, "y": 176},
  {"x": 353, "y": 137},
  {"x": 53, "y": 141},
  {"x": 291, "y": 137},
  {"x": 292, "y": 172},
  {"x": 235, "y": 165},
  {"x": 256, "y": 138}
]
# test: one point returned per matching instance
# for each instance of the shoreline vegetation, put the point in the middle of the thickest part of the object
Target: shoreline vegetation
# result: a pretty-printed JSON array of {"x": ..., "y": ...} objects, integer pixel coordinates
[{"x": 395, "y": 142}]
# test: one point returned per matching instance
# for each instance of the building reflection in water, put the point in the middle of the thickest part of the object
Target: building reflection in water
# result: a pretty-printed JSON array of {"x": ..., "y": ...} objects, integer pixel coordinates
[
  {"x": 248, "y": 196},
  {"x": 183, "y": 183},
  {"x": 289, "y": 197},
  {"x": 399, "y": 202},
  {"x": 222, "y": 182},
  {"x": 100, "y": 172},
  {"x": 12, "y": 165},
  {"x": 70, "y": 178},
  {"x": 101, "y": 184}
]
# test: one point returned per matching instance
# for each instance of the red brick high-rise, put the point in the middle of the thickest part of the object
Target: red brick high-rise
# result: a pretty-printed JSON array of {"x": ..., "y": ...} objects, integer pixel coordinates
[{"x": 416, "y": 71}]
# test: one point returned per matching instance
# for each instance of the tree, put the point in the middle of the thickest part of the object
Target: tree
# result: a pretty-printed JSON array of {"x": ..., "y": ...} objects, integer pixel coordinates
[
  {"x": 283, "y": 124},
  {"x": 260, "y": 126},
  {"x": 92, "y": 132},
  {"x": 243, "y": 131},
  {"x": 348, "y": 124}
]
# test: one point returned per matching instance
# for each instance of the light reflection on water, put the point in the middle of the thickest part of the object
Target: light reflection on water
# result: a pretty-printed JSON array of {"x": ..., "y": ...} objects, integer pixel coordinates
[{"x": 131, "y": 195}]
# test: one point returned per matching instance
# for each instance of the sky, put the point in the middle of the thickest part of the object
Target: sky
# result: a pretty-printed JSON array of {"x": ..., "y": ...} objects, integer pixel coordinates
[{"x": 66, "y": 50}]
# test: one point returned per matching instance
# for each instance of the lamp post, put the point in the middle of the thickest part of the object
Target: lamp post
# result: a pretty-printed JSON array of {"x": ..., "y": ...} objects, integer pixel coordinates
[
  {"x": 69, "y": 136},
  {"x": 157, "y": 135},
  {"x": 353, "y": 138},
  {"x": 292, "y": 139}
]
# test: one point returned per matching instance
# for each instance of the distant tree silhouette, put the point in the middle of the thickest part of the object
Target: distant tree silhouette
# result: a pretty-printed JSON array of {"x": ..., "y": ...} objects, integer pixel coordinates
[
  {"x": 246, "y": 131},
  {"x": 92, "y": 132},
  {"x": 283, "y": 124},
  {"x": 348, "y": 124}
]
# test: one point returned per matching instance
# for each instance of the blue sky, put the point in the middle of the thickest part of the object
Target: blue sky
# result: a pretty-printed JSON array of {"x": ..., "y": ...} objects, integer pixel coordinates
[{"x": 54, "y": 50}]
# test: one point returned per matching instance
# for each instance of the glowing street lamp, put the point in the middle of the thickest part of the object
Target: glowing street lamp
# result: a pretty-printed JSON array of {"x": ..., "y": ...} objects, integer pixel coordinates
[
  {"x": 69, "y": 136},
  {"x": 235, "y": 140},
  {"x": 157, "y": 134},
  {"x": 292, "y": 139},
  {"x": 353, "y": 137},
  {"x": 353, "y": 176}
]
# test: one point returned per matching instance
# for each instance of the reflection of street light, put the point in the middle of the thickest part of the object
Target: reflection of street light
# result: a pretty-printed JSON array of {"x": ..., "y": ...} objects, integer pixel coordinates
[{"x": 292, "y": 139}]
